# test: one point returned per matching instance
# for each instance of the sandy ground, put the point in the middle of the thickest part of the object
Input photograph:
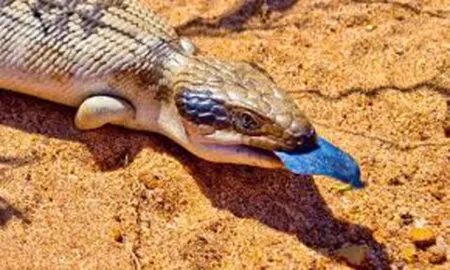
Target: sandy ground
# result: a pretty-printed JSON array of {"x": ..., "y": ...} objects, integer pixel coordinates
[{"x": 372, "y": 76}]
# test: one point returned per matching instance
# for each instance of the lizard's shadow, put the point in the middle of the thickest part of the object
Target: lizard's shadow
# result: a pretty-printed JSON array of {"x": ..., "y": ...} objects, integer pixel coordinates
[
  {"x": 287, "y": 203},
  {"x": 236, "y": 18},
  {"x": 111, "y": 147},
  {"x": 278, "y": 199}
]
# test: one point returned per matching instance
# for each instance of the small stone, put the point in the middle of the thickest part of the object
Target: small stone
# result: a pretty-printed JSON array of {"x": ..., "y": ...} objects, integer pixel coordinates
[
  {"x": 370, "y": 27},
  {"x": 422, "y": 237},
  {"x": 437, "y": 255},
  {"x": 116, "y": 234},
  {"x": 399, "y": 50},
  {"x": 409, "y": 254},
  {"x": 355, "y": 255},
  {"x": 149, "y": 181}
]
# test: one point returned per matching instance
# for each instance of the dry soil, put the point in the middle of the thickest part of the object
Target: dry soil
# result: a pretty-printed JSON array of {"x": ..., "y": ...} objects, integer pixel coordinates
[{"x": 372, "y": 75}]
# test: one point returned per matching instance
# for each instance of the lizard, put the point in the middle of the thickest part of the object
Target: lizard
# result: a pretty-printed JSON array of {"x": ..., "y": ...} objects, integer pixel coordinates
[{"x": 119, "y": 63}]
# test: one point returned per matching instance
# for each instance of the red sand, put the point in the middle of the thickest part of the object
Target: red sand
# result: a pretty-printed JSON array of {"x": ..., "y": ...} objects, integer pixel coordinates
[{"x": 370, "y": 74}]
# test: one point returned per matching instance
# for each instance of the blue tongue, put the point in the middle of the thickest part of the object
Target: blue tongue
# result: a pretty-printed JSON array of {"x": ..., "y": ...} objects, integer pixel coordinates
[{"x": 323, "y": 159}]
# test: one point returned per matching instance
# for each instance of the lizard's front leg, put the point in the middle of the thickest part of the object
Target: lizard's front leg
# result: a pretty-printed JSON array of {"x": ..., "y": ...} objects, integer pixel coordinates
[{"x": 97, "y": 111}]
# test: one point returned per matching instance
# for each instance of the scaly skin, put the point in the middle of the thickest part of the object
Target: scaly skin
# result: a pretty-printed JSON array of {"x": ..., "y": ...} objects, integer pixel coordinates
[{"x": 119, "y": 63}]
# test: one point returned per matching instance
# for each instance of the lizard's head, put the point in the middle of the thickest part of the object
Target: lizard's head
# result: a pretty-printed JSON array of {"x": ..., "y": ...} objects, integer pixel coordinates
[{"x": 230, "y": 105}]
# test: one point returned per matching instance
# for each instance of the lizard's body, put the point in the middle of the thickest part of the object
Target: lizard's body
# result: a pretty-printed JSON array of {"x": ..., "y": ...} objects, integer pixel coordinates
[
  {"x": 66, "y": 53},
  {"x": 118, "y": 62}
]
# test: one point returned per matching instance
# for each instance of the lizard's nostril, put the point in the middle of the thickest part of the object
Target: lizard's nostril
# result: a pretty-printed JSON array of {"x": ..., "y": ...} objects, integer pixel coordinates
[{"x": 307, "y": 140}]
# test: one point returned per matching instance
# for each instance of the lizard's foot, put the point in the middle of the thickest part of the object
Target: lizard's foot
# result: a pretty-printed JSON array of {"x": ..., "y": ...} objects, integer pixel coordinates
[{"x": 97, "y": 111}]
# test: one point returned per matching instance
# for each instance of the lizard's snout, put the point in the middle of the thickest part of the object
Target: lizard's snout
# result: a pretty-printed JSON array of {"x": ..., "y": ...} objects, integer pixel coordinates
[
  {"x": 300, "y": 134},
  {"x": 307, "y": 140},
  {"x": 301, "y": 141}
]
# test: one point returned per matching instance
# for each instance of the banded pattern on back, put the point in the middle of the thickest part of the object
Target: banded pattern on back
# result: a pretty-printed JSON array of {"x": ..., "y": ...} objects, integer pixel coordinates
[{"x": 81, "y": 38}]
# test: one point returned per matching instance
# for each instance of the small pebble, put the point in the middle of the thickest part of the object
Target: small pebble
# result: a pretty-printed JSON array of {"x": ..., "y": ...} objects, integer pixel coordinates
[
  {"x": 370, "y": 27},
  {"x": 409, "y": 254},
  {"x": 149, "y": 181},
  {"x": 437, "y": 255},
  {"x": 422, "y": 237},
  {"x": 116, "y": 234},
  {"x": 398, "y": 50}
]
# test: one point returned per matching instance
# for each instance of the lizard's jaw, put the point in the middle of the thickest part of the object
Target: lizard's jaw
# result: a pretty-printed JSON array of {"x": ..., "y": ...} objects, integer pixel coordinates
[{"x": 235, "y": 154}]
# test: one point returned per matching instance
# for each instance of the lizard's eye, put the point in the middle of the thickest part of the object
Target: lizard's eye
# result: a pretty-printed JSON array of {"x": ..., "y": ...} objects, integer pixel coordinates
[{"x": 247, "y": 122}]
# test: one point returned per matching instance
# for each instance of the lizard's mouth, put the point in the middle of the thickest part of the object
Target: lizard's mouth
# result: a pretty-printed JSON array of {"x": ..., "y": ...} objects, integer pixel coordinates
[
  {"x": 237, "y": 154},
  {"x": 322, "y": 158},
  {"x": 225, "y": 147}
]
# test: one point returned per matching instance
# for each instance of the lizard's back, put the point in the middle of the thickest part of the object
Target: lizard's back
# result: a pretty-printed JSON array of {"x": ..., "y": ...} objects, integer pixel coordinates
[{"x": 62, "y": 50}]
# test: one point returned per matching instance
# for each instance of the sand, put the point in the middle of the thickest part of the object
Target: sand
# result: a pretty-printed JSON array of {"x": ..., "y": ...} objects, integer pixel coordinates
[{"x": 373, "y": 77}]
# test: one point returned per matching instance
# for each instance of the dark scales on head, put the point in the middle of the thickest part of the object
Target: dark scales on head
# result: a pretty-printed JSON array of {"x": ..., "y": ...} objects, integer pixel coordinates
[{"x": 201, "y": 107}]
